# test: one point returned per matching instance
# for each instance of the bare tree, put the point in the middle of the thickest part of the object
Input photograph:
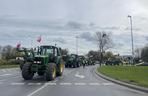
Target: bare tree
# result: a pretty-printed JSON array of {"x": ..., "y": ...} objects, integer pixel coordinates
[
  {"x": 64, "y": 51},
  {"x": 104, "y": 42}
]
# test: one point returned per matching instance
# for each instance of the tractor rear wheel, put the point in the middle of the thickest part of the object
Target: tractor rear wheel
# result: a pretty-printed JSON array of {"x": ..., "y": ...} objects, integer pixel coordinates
[
  {"x": 60, "y": 69},
  {"x": 50, "y": 73},
  {"x": 27, "y": 74}
]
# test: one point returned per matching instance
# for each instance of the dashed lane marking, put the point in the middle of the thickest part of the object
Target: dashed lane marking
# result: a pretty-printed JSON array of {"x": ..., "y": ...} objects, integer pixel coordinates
[
  {"x": 65, "y": 83},
  {"x": 34, "y": 84},
  {"x": 107, "y": 84},
  {"x": 94, "y": 84},
  {"x": 17, "y": 83},
  {"x": 5, "y": 74},
  {"x": 50, "y": 83},
  {"x": 79, "y": 84},
  {"x": 61, "y": 84}
]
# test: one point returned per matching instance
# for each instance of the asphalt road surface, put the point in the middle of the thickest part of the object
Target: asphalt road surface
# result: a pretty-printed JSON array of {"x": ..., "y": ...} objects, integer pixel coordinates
[{"x": 74, "y": 82}]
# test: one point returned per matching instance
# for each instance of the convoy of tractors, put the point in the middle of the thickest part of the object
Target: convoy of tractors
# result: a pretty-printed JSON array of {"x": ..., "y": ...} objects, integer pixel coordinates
[{"x": 48, "y": 61}]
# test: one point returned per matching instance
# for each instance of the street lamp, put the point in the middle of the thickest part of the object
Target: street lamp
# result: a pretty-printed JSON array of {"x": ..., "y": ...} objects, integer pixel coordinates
[
  {"x": 101, "y": 47},
  {"x": 77, "y": 45},
  {"x": 130, "y": 17}
]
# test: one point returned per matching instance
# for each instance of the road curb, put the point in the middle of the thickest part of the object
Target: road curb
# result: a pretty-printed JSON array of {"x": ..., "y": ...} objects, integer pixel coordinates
[{"x": 139, "y": 88}]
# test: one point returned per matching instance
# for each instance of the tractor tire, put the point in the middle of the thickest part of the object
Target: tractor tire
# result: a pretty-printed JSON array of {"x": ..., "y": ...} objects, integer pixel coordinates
[
  {"x": 50, "y": 73},
  {"x": 60, "y": 69},
  {"x": 27, "y": 74}
]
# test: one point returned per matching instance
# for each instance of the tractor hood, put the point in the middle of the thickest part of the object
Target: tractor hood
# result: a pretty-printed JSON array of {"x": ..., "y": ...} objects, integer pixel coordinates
[{"x": 41, "y": 59}]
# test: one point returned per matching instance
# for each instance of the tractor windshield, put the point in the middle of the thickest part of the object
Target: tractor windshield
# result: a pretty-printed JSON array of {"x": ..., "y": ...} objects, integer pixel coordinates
[{"x": 46, "y": 50}]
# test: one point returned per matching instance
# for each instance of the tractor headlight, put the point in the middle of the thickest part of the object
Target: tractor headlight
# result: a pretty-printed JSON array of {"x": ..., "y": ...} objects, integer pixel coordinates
[{"x": 37, "y": 62}]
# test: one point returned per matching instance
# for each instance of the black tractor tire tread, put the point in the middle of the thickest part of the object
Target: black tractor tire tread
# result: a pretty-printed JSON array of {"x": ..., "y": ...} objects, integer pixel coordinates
[
  {"x": 49, "y": 71},
  {"x": 25, "y": 71}
]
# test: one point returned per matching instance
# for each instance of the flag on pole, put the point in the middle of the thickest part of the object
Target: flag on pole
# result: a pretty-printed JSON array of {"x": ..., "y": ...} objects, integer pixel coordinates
[
  {"x": 18, "y": 45},
  {"x": 39, "y": 39}
]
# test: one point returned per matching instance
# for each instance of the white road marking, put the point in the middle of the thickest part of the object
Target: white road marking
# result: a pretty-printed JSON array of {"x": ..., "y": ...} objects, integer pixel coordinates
[
  {"x": 78, "y": 75},
  {"x": 107, "y": 84},
  {"x": 50, "y": 84},
  {"x": 17, "y": 83},
  {"x": 65, "y": 83},
  {"x": 5, "y": 74},
  {"x": 80, "y": 84},
  {"x": 34, "y": 84},
  {"x": 34, "y": 92},
  {"x": 45, "y": 85},
  {"x": 94, "y": 83}
]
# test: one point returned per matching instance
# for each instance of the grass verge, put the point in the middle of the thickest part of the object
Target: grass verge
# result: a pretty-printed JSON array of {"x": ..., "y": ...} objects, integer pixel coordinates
[{"x": 137, "y": 75}]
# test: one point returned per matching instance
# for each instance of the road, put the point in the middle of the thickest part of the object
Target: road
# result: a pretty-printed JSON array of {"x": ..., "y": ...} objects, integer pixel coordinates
[{"x": 74, "y": 82}]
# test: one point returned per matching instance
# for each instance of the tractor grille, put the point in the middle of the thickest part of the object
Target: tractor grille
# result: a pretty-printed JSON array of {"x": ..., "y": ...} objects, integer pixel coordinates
[{"x": 38, "y": 60}]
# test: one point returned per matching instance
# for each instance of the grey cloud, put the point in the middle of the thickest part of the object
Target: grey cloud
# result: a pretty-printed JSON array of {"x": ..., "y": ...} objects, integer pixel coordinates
[
  {"x": 87, "y": 36},
  {"x": 135, "y": 29},
  {"x": 110, "y": 28},
  {"x": 60, "y": 40},
  {"x": 75, "y": 25}
]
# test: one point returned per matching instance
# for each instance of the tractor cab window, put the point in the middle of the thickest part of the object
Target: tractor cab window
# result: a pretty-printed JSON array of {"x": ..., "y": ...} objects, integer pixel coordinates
[
  {"x": 56, "y": 52},
  {"x": 46, "y": 51},
  {"x": 49, "y": 51}
]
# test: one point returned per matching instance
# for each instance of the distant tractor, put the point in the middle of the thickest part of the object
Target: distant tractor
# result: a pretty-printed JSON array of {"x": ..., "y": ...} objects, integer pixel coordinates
[
  {"x": 81, "y": 60},
  {"x": 27, "y": 56},
  {"x": 72, "y": 61},
  {"x": 48, "y": 63}
]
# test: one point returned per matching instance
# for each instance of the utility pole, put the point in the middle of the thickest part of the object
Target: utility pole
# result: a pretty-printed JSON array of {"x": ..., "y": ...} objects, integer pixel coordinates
[
  {"x": 77, "y": 45},
  {"x": 130, "y": 17},
  {"x": 101, "y": 47}
]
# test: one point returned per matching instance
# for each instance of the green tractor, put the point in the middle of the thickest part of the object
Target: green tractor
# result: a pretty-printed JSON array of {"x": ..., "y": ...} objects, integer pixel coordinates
[
  {"x": 81, "y": 60},
  {"x": 72, "y": 61},
  {"x": 48, "y": 63},
  {"x": 27, "y": 55},
  {"x": 91, "y": 62}
]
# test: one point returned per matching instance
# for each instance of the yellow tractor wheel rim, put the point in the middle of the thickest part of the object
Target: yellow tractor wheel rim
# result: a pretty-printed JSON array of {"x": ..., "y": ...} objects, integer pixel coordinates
[{"x": 54, "y": 73}]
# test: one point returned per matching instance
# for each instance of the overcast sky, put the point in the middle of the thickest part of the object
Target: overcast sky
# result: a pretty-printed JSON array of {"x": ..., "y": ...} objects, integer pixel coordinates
[{"x": 61, "y": 21}]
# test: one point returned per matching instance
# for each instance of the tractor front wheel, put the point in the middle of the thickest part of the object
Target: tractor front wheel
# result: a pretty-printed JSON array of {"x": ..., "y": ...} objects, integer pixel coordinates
[
  {"x": 50, "y": 73},
  {"x": 27, "y": 74}
]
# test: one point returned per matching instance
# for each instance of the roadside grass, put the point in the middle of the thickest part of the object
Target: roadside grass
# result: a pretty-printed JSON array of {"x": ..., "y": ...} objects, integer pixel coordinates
[
  {"x": 2, "y": 66},
  {"x": 137, "y": 75}
]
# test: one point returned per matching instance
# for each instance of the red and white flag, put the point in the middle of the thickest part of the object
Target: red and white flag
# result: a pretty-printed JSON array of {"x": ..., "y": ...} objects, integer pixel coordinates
[
  {"x": 18, "y": 45},
  {"x": 39, "y": 39}
]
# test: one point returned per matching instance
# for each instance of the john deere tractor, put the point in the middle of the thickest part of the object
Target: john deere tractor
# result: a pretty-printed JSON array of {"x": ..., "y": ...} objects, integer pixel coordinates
[
  {"x": 48, "y": 63},
  {"x": 72, "y": 61},
  {"x": 27, "y": 55},
  {"x": 81, "y": 60}
]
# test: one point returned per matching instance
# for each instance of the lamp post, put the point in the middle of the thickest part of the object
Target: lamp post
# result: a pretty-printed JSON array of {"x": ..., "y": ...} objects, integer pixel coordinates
[
  {"x": 77, "y": 45},
  {"x": 130, "y": 17},
  {"x": 101, "y": 48}
]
